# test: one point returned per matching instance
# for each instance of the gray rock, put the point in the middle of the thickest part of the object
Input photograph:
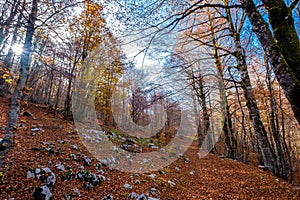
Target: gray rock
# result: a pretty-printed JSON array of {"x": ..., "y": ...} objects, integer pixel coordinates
[
  {"x": 142, "y": 197},
  {"x": 50, "y": 179},
  {"x": 151, "y": 144},
  {"x": 127, "y": 186},
  {"x": 61, "y": 141},
  {"x": 152, "y": 176},
  {"x": 187, "y": 160},
  {"x": 152, "y": 198},
  {"x": 60, "y": 167},
  {"x": 87, "y": 161},
  {"x": 35, "y": 129},
  {"x": 172, "y": 183},
  {"x": 42, "y": 193},
  {"x": 108, "y": 197},
  {"x": 68, "y": 197},
  {"x": 133, "y": 195},
  {"x": 101, "y": 177},
  {"x": 73, "y": 156},
  {"x": 152, "y": 191},
  {"x": 37, "y": 171},
  {"x": 30, "y": 174},
  {"x": 104, "y": 162},
  {"x": 74, "y": 147}
]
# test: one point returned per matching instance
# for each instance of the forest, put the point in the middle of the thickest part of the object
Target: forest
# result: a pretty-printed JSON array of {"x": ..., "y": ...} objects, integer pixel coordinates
[{"x": 158, "y": 99}]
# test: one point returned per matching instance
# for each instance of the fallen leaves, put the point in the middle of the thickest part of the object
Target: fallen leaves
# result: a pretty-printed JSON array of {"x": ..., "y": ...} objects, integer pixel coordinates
[{"x": 80, "y": 176}]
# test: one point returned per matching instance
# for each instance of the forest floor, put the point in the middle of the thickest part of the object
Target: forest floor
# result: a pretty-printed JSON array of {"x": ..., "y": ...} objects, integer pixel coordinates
[{"x": 52, "y": 143}]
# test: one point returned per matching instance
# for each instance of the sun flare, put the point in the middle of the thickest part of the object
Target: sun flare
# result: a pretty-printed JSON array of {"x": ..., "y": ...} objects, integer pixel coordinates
[{"x": 17, "y": 49}]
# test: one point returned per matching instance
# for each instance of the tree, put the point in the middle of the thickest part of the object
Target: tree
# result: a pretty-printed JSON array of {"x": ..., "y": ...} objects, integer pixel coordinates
[
  {"x": 16, "y": 98},
  {"x": 282, "y": 49}
]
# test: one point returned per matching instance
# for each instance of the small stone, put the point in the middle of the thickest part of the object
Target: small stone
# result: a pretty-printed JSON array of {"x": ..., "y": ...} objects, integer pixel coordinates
[
  {"x": 152, "y": 191},
  {"x": 104, "y": 162},
  {"x": 137, "y": 182},
  {"x": 28, "y": 114},
  {"x": 42, "y": 193},
  {"x": 262, "y": 167},
  {"x": 86, "y": 160},
  {"x": 152, "y": 198},
  {"x": 50, "y": 150},
  {"x": 127, "y": 186},
  {"x": 30, "y": 174},
  {"x": 35, "y": 129},
  {"x": 74, "y": 147},
  {"x": 101, "y": 177},
  {"x": 152, "y": 176},
  {"x": 172, "y": 183},
  {"x": 37, "y": 171},
  {"x": 177, "y": 168},
  {"x": 60, "y": 166},
  {"x": 133, "y": 195},
  {"x": 73, "y": 156},
  {"x": 187, "y": 160},
  {"x": 142, "y": 197},
  {"x": 151, "y": 144},
  {"x": 108, "y": 197},
  {"x": 50, "y": 179}
]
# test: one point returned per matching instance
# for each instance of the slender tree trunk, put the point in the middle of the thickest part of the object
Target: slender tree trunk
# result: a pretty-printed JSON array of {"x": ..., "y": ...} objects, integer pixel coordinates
[
  {"x": 58, "y": 91},
  {"x": 274, "y": 129},
  {"x": 261, "y": 133},
  {"x": 4, "y": 27},
  {"x": 67, "y": 107},
  {"x": 8, "y": 60},
  {"x": 14, "y": 110}
]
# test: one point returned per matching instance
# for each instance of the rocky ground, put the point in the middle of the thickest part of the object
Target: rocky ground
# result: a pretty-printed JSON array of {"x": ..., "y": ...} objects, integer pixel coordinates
[{"x": 48, "y": 160}]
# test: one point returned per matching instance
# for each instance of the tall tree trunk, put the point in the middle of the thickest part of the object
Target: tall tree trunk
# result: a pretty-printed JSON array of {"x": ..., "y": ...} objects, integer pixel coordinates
[
  {"x": 274, "y": 128},
  {"x": 282, "y": 22},
  {"x": 230, "y": 140},
  {"x": 14, "y": 110},
  {"x": 261, "y": 133},
  {"x": 286, "y": 75},
  {"x": 67, "y": 107},
  {"x": 8, "y": 60},
  {"x": 5, "y": 25},
  {"x": 58, "y": 91}
]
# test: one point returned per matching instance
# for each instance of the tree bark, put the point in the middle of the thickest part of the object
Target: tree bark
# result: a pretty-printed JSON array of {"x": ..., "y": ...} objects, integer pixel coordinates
[
  {"x": 261, "y": 133},
  {"x": 14, "y": 110},
  {"x": 286, "y": 75}
]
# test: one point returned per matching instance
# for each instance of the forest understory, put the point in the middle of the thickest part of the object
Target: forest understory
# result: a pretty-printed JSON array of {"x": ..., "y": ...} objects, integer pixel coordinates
[{"x": 47, "y": 140}]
